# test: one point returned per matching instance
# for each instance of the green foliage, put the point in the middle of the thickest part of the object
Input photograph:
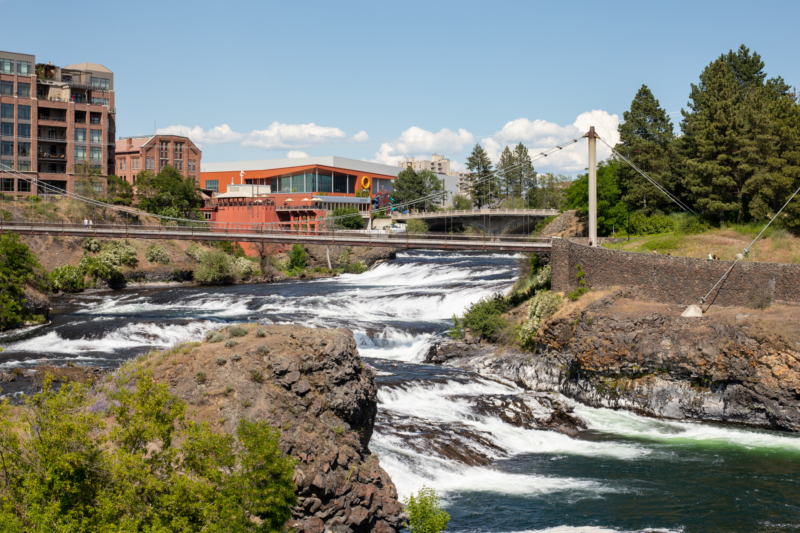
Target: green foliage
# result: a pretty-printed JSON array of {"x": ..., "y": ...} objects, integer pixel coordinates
[
  {"x": 90, "y": 244},
  {"x": 479, "y": 166},
  {"x": 216, "y": 337},
  {"x": 66, "y": 278},
  {"x": 262, "y": 350},
  {"x": 256, "y": 376},
  {"x": 457, "y": 330},
  {"x": 18, "y": 267},
  {"x": 297, "y": 257},
  {"x": 260, "y": 333},
  {"x": 102, "y": 267},
  {"x": 155, "y": 253},
  {"x": 425, "y": 513},
  {"x": 355, "y": 268},
  {"x": 643, "y": 225},
  {"x": 118, "y": 253},
  {"x": 611, "y": 210},
  {"x": 461, "y": 202},
  {"x": 416, "y": 226},
  {"x": 352, "y": 218},
  {"x": 200, "y": 377},
  {"x": 7, "y": 216},
  {"x": 516, "y": 176},
  {"x": 411, "y": 186},
  {"x": 581, "y": 289},
  {"x": 237, "y": 331},
  {"x": 539, "y": 227},
  {"x": 149, "y": 469},
  {"x": 230, "y": 343},
  {"x": 542, "y": 306},
  {"x": 196, "y": 252},
  {"x": 119, "y": 191},
  {"x": 221, "y": 361},
  {"x": 691, "y": 225},
  {"x": 483, "y": 317},
  {"x": 246, "y": 268},
  {"x": 168, "y": 193},
  {"x": 216, "y": 268}
]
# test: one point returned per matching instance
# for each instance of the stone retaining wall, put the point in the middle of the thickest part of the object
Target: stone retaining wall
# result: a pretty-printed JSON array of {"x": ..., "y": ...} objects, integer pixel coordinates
[{"x": 681, "y": 280}]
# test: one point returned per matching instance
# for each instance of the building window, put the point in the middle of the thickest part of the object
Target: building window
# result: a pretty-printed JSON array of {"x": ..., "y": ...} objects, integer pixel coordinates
[
  {"x": 24, "y": 185},
  {"x": 6, "y": 66},
  {"x": 80, "y": 153},
  {"x": 80, "y": 135},
  {"x": 6, "y": 88},
  {"x": 24, "y": 90},
  {"x": 6, "y": 164},
  {"x": 95, "y": 119},
  {"x": 24, "y": 112},
  {"x": 24, "y": 131},
  {"x": 24, "y": 149},
  {"x": 212, "y": 185},
  {"x": 99, "y": 101},
  {"x": 95, "y": 154},
  {"x": 80, "y": 117},
  {"x": 6, "y": 110},
  {"x": 100, "y": 82},
  {"x": 7, "y": 149},
  {"x": 24, "y": 166},
  {"x": 97, "y": 187},
  {"x": 136, "y": 164},
  {"x": 24, "y": 68},
  {"x": 7, "y": 129},
  {"x": 7, "y": 184},
  {"x": 95, "y": 136}
]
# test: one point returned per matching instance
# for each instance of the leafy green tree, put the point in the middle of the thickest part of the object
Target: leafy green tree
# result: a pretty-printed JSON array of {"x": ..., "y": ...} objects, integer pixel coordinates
[
  {"x": 647, "y": 140},
  {"x": 149, "y": 469},
  {"x": 215, "y": 268},
  {"x": 483, "y": 187},
  {"x": 611, "y": 209},
  {"x": 525, "y": 183},
  {"x": 431, "y": 187},
  {"x": 297, "y": 257},
  {"x": 168, "y": 192},
  {"x": 350, "y": 218},
  {"x": 461, "y": 202},
  {"x": 425, "y": 513},
  {"x": 18, "y": 267},
  {"x": 416, "y": 226},
  {"x": 550, "y": 193},
  {"x": 119, "y": 191}
]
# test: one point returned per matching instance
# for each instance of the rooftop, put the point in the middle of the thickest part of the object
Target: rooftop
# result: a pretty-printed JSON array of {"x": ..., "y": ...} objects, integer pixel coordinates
[
  {"x": 328, "y": 161},
  {"x": 94, "y": 67}
]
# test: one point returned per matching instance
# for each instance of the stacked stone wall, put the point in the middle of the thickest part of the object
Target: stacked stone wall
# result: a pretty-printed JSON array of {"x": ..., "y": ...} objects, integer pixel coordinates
[{"x": 680, "y": 280}]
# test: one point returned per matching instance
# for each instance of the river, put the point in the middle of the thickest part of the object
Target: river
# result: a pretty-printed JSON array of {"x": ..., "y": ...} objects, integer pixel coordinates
[{"x": 624, "y": 473}]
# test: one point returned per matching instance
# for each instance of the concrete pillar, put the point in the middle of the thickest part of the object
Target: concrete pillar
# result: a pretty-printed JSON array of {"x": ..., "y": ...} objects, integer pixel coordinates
[{"x": 592, "y": 185}]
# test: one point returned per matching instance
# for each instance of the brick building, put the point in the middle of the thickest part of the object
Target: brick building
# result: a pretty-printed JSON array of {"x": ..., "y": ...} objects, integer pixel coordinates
[
  {"x": 153, "y": 153},
  {"x": 52, "y": 119}
]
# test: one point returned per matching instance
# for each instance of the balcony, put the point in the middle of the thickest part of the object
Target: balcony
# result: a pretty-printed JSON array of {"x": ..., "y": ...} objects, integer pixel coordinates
[
  {"x": 53, "y": 137},
  {"x": 51, "y": 156},
  {"x": 53, "y": 118}
]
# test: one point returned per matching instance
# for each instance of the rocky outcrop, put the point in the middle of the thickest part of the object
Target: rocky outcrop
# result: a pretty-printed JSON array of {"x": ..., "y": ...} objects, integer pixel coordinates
[
  {"x": 727, "y": 366},
  {"x": 567, "y": 224},
  {"x": 312, "y": 385},
  {"x": 344, "y": 255},
  {"x": 36, "y": 303}
]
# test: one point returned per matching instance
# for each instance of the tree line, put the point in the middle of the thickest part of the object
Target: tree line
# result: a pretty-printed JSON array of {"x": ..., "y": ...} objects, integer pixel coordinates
[{"x": 736, "y": 158}]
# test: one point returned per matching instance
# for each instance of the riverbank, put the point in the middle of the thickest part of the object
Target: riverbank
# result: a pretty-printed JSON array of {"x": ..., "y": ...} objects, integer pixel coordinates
[{"x": 617, "y": 350}]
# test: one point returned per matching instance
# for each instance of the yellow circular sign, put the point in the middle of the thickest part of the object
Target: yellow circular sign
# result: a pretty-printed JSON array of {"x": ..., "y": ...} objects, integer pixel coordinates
[{"x": 365, "y": 182}]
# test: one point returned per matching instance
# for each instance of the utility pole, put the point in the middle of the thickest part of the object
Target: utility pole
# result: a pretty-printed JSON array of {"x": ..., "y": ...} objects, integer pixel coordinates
[{"x": 592, "y": 136}]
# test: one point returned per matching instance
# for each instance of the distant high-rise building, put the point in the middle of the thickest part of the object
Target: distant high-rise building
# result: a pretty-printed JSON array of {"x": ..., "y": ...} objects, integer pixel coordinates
[
  {"x": 437, "y": 164},
  {"x": 53, "y": 119}
]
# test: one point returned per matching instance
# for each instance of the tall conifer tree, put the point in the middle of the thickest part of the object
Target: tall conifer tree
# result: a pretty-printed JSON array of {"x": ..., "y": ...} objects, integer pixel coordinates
[
  {"x": 647, "y": 140},
  {"x": 482, "y": 191},
  {"x": 525, "y": 185},
  {"x": 506, "y": 173}
]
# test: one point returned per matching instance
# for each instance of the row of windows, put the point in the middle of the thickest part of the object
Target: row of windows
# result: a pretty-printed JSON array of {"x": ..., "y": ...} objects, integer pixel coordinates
[
  {"x": 315, "y": 181},
  {"x": 7, "y": 184},
  {"x": 95, "y": 154},
  {"x": 7, "y": 89},
  {"x": 212, "y": 185},
  {"x": 7, "y": 149},
  {"x": 23, "y": 67},
  {"x": 95, "y": 136},
  {"x": 100, "y": 82},
  {"x": 99, "y": 101},
  {"x": 22, "y": 166},
  {"x": 7, "y": 130},
  {"x": 23, "y": 111}
]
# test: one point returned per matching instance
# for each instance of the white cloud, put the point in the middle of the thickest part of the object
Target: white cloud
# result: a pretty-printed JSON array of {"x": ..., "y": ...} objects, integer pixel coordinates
[
  {"x": 538, "y": 135},
  {"x": 296, "y": 154},
  {"x": 360, "y": 137},
  {"x": 276, "y": 136},
  {"x": 216, "y": 135},
  {"x": 415, "y": 140}
]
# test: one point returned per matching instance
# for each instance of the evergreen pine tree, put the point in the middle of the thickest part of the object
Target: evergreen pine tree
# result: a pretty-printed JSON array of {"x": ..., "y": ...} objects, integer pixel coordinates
[
  {"x": 506, "y": 175},
  {"x": 482, "y": 190},
  {"x": 408, "y": 186},
  {"x": 647, "y": 140},
  {"x": 525, "y": 186}
]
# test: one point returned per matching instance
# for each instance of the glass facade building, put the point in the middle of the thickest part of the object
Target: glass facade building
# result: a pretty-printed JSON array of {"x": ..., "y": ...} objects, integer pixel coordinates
[{"x": 315, "y": 180}]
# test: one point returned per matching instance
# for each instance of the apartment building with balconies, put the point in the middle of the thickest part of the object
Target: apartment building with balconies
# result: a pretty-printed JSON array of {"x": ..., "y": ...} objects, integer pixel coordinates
[
  {"x": 155, "y": 152},
  {"x": 53, "y": 120}
]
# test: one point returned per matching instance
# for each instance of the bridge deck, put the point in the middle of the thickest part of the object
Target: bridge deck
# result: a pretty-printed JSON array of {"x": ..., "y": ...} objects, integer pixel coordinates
[
  {"x": 479, "y": 213},
  {"x": 266, "y": 234}
]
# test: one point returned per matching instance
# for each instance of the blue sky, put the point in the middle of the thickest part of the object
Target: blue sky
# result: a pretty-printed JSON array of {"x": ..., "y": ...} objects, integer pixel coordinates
[{"x": 380, "y": 81}]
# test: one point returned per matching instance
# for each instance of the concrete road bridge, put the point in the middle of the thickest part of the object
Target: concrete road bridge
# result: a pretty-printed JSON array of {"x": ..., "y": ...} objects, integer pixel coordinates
[
  {"x": 264, "y": 233},
  {"x": 492, "y": 221}
]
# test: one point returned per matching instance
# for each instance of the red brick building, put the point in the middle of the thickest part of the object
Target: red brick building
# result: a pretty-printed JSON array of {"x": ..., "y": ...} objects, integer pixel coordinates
[
  {"x": 52, "y": 119},
  {"x": 153, "y": 153}
]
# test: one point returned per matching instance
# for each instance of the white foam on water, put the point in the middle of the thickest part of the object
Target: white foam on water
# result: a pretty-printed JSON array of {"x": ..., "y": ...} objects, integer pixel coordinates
[
  {"x": 628, "y": 424},
  {"x": 205, "y": 305},
  {"x": 596, "y": 529},
  {"x": 393, "y": 344},
  {"x": 135, "y": 335}
]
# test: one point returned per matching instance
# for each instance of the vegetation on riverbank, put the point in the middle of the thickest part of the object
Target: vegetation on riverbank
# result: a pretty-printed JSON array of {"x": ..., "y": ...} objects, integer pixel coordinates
[{"x": 20, "y": 270}]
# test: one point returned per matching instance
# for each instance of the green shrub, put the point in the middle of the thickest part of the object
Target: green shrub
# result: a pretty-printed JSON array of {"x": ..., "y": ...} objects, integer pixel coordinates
[
  {"x": 457, "y": 330},
  {"x": 7, "y": 216},
  {"x": 237, "y": 331},
  {"x": 262, "y": 350},
  {"x": 221, "y": 361},
  {"x": 483, "y": 317},
  {"x": 425, "y": 513},
  {"x": 90, "y": 244},
  {"x": 260, "y": 333},
  {"x": 640, "y": 224},
  {"x": 351, "y": 218},
  {"x": 539, "y": 228},
  {"x": 354, "y": 268},
  {"x": 297, "y": 257},
  {"x": 196, "y": 252},
  {"x": 119, "y": 253},
  {"x": 216, "y": 268},
  {"x": 245, "y": 268},
  {"x": 416, "y": 226},
  {"x": 692, "y": 226},
  {"x": 66, "y": 278},
  {"x": 236, "y": 357},
  {"x": 156, "y": 253},
  {"x": 230, "y": 343},
  {"x": 200, "y": 376},
  {"x": 256, "y": 376},
  {"x": 18, "y": 267},
  {"x": 101, "y": 266},
  {"x": 581, "y": 289},
  {"x": 217, "y": 337},
  {"x": 150, "y": 468},
  {"x": 543, "y": 305}
]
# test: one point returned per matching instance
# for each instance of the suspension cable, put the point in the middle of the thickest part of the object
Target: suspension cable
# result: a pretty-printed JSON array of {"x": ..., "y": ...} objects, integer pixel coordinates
[{"x": 747, "y": 250}]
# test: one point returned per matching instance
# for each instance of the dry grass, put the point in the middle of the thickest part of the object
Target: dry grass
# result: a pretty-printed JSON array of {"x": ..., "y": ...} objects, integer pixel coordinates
[{"x": 778, "y": 247}]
